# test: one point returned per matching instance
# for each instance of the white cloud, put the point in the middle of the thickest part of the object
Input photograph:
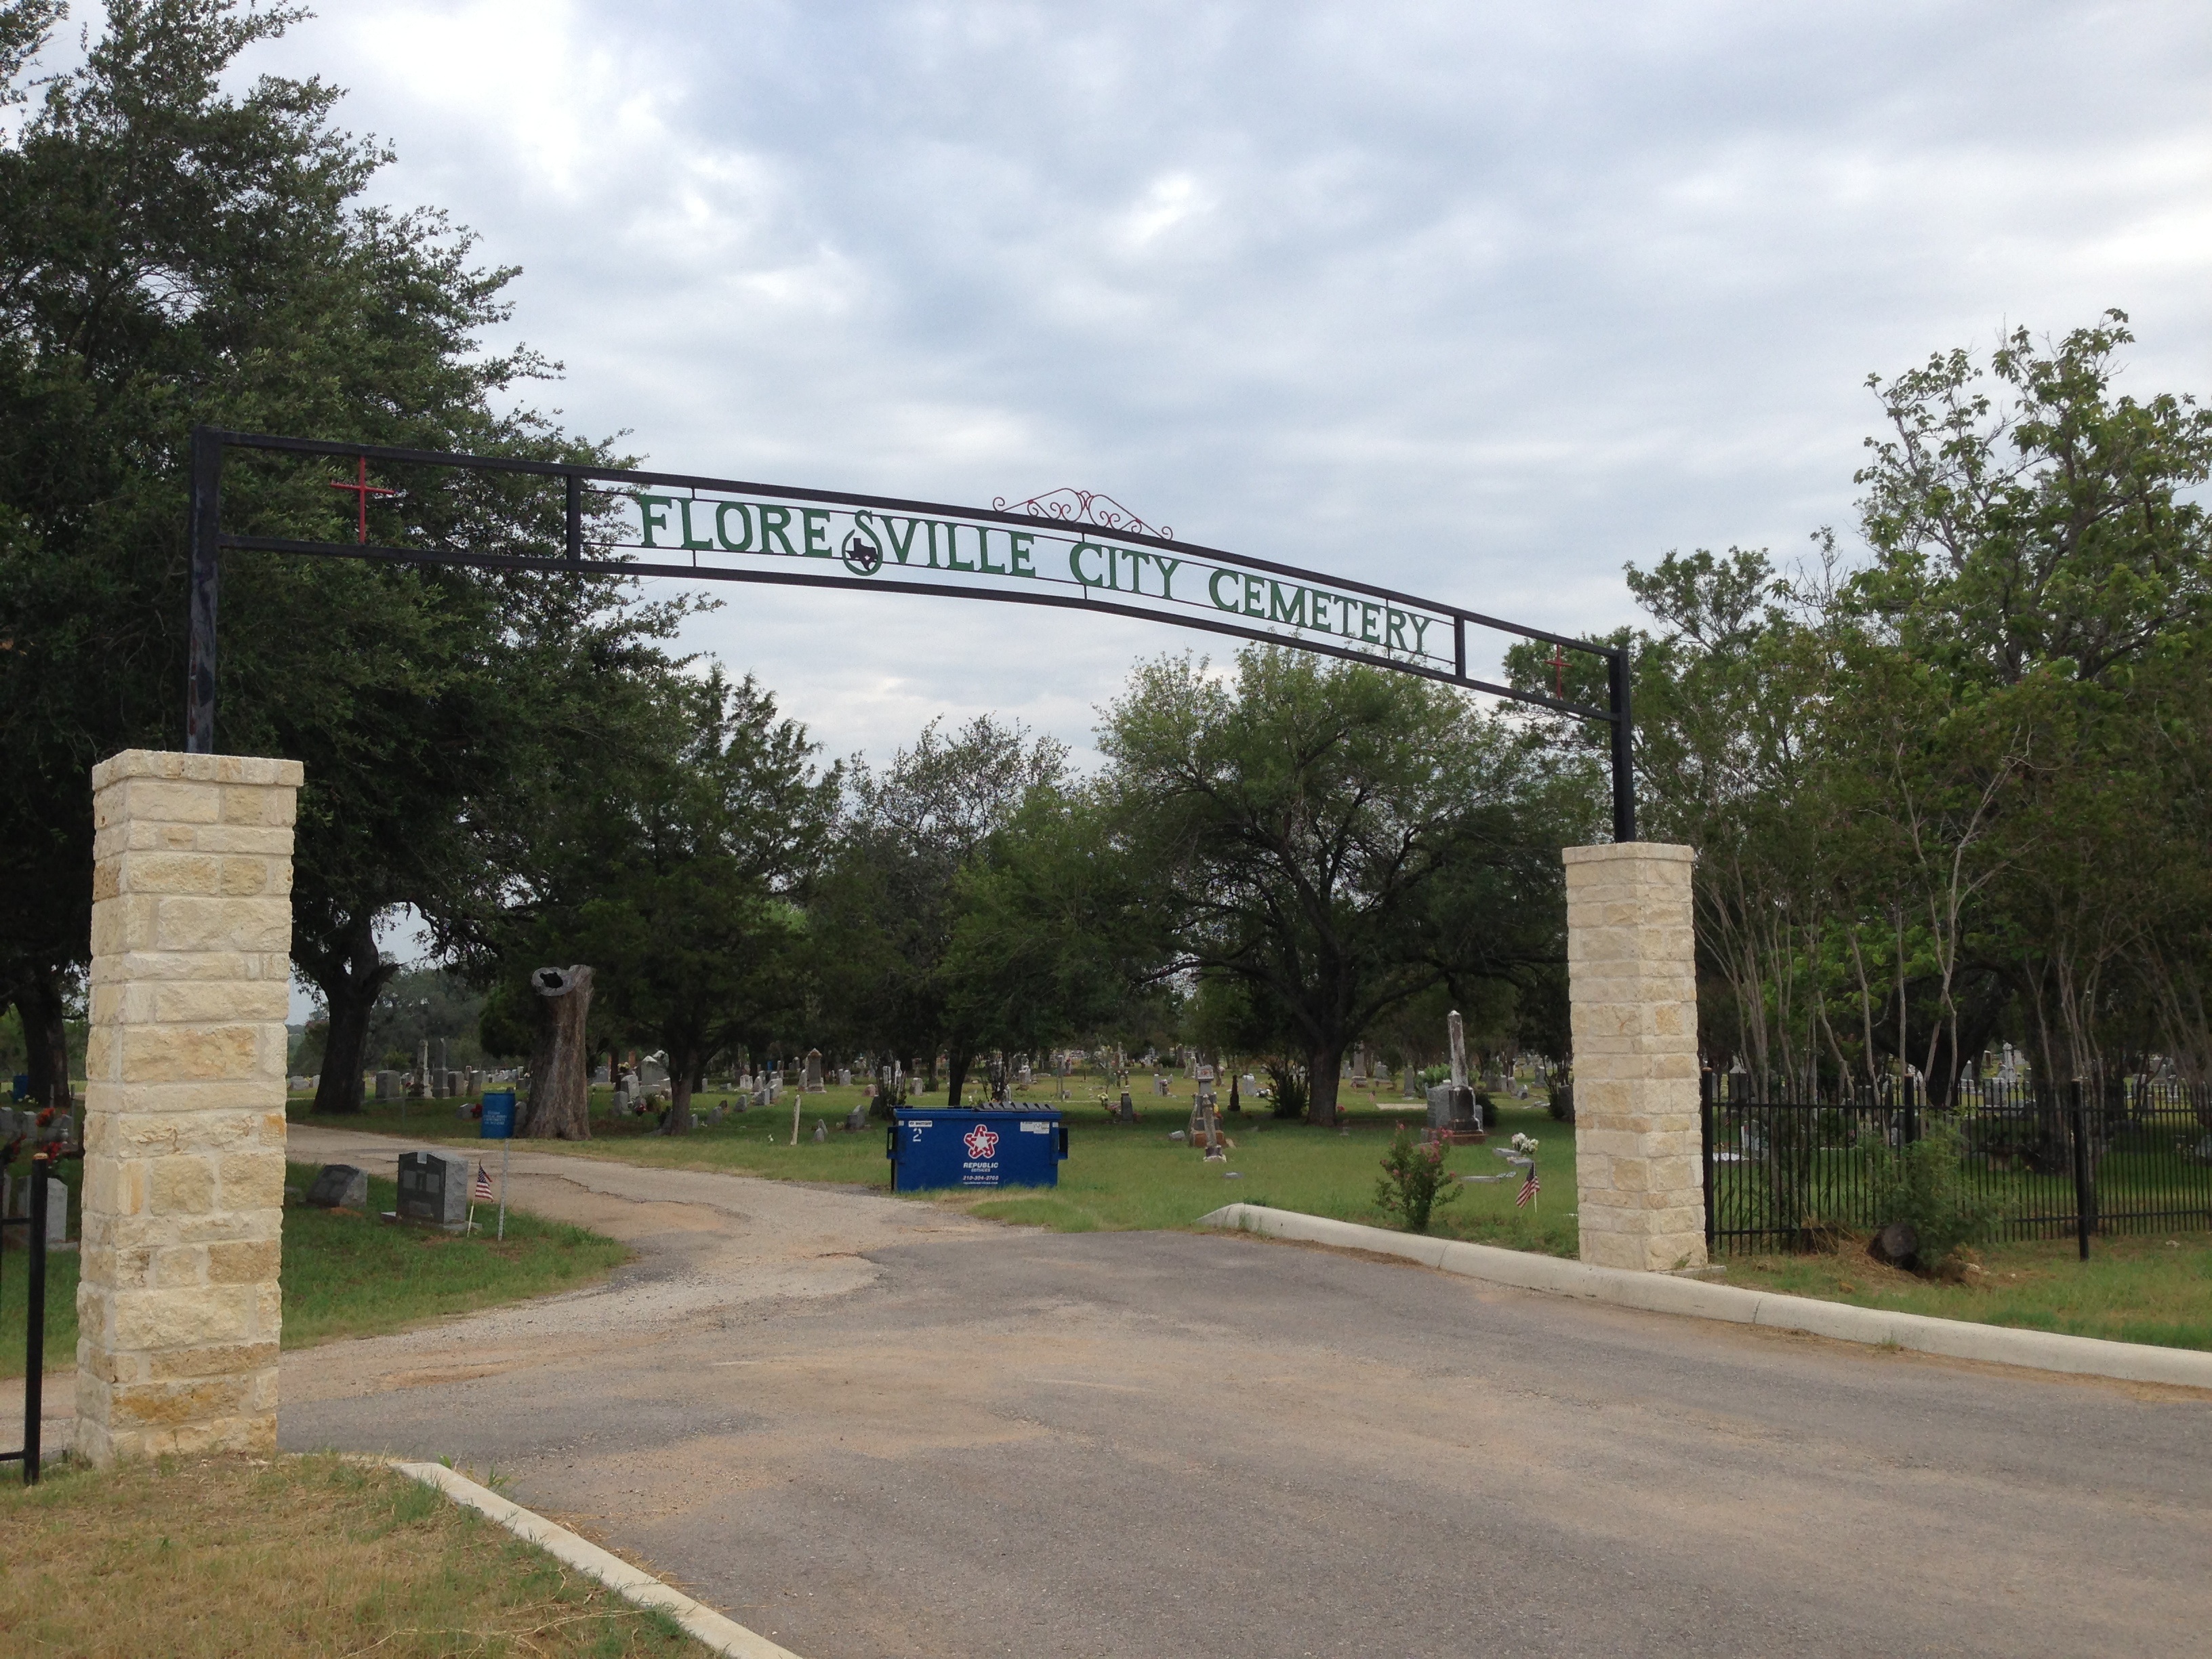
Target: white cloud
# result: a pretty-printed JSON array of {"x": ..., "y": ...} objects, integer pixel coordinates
[{"x": 1482, "y": 300}]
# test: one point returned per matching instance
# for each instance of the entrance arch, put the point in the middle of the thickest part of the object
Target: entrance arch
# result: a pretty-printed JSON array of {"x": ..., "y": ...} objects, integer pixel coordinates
[{"x": 1065, "y": 551}]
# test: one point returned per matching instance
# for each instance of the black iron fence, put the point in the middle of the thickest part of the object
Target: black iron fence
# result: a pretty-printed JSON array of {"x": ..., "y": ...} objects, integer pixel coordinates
[
  {"x": 45, "y": 1189},
  {"x": 2130, "y": 1155}
]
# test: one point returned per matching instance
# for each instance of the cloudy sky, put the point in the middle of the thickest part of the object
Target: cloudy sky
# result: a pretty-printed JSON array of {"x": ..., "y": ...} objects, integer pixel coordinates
[{"x": 1476, "y": 300}]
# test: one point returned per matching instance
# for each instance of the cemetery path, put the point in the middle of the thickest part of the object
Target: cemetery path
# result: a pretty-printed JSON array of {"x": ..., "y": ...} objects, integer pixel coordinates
[
  {"x": 707, "y": 1245},
  {"x": 994, "y": 1441}
]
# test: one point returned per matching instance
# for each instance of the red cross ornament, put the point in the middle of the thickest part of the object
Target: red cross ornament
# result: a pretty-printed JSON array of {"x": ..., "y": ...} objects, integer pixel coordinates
[
  {"x": 362, "y": 490},
  {"x": 1558, "y": 671}
]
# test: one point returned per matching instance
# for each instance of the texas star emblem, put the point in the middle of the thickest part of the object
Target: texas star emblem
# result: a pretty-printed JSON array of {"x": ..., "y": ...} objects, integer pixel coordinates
[{"x": 982, "y": 1141}]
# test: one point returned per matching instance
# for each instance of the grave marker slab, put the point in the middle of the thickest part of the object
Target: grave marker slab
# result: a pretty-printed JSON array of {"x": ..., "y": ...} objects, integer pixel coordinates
[
  {"x": 434, "y": 1189},
  {"x": 340, "y": 1187}
]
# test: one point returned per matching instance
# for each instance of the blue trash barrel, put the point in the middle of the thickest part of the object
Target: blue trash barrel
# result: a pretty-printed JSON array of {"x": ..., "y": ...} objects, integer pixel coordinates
[{"x": 1016, "y": 1146}]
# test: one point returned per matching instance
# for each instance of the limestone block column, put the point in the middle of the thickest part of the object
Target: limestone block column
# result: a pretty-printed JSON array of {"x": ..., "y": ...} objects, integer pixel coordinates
[
  {"x": 1632, "y": 994},
  {"x": 177, "y": 1308}
]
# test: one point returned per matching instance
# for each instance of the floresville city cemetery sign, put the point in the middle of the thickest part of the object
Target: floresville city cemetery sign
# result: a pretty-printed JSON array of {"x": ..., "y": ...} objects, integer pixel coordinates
[
  {"x": 1069, "y": 549},
  {"x": 946, "y": 548}
]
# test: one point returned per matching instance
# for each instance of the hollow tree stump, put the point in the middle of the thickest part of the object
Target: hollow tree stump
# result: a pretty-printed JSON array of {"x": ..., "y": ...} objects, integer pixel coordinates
[{"x": 559, "y": 1108}]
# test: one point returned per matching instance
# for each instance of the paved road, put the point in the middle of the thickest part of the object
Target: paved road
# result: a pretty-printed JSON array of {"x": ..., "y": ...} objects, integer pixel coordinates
[{"x": 981, "y": 1441}]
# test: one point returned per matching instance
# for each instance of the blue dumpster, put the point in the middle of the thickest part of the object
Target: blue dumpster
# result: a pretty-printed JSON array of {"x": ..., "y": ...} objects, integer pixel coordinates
[{"x": 1016, "y": 1146}]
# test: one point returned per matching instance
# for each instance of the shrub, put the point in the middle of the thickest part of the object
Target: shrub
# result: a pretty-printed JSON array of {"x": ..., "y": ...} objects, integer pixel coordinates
[
  {"x": 1290, "y": 1102},
  {"x": 1412, "y": 1175},
  {"x": 1924, "y": 1188}
]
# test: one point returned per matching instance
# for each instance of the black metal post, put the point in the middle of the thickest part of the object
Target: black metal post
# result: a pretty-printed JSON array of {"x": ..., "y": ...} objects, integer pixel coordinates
[
  {"x": 1706, "y": 1122},
  {"x": 34, "y": 1323},
  {"x": 206, "y": 569},
  {"x": 576, "y": 519},
  {"x": 1459, "y": 647},
  {"x": 2084, "y": 1217},
  {"x": 1623, "y": 748}
]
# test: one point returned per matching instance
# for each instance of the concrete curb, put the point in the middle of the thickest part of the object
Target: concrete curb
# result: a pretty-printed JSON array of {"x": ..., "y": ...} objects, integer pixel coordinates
[
  {"x": 1954, "y": 1339},
  {"x": 703, "y": 1624}
]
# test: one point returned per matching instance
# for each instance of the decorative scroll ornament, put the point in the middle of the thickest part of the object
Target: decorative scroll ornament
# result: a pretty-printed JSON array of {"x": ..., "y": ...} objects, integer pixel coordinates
[{"x": 1072, "y": 505}]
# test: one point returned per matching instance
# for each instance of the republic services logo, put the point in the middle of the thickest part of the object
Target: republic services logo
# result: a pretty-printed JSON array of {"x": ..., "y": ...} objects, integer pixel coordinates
[{"x": 982, "y": 1141}]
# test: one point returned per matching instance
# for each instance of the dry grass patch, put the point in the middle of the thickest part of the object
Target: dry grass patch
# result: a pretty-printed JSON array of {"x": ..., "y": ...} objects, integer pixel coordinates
[{"x": 313, "y": 1555}]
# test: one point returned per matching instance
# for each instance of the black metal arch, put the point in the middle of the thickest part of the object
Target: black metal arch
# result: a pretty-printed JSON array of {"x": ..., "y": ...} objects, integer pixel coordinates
[{"x": 868, "y": 569}]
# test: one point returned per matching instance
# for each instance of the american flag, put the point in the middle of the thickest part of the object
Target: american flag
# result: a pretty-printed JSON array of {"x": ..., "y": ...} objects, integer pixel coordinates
[
  {"x": 483, "y": 1193},
  {"x": 1529, "y": 1189}
]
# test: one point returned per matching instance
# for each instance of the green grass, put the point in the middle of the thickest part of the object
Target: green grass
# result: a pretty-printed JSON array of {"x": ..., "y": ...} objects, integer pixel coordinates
[
  {"x": 1117, "y": 1177},
  {"x": 318, "y": 1554},
  {"x": 2156, "y": 1289},
  {"x": 349, "y": 1275}
]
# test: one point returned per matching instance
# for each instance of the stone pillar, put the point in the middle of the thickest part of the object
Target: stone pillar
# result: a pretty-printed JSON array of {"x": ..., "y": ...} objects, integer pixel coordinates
[
  {"x": 178, "y": 1306},
  {"x": 1632, "y": 994}
]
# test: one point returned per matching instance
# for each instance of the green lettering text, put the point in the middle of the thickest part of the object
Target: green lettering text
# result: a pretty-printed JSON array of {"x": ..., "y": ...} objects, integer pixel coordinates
[
  {"x": 816, "y": 531},
  {"x": 1075, "y": 563},
  {"x": 901, "y": 545},
  {"x": 722, "y": 526},
  {"x": 1213, "y": 587},
  {"x": 692, "y": 543},
  {"x": 776, "y": 521},
  {"x": 654, "y": 510},
  {"x": 1018, "y": 543},
  {"x": 1293, "y": 613}
]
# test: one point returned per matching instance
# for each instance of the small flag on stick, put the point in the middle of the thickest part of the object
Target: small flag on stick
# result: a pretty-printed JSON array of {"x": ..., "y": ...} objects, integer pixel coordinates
[
  {"x": 1529, "y": 1189},
  {"x": 483, "y": 1193}
]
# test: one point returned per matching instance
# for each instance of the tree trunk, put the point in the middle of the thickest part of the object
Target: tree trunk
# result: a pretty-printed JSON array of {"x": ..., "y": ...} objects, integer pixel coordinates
[
  {"x": 350, "y": 982},
  {"x": 560, "y": 1106},
  {"x": 955, "y": 1073},
  {"x": 682, "y": 1070},
  {"x": 1322, "y": 1073},
  {"x": 46, "y": 1034}
]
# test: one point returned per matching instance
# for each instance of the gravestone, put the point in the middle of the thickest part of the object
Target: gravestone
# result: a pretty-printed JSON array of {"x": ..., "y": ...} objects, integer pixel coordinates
[
  {"x": 602, "y": 1077},
  {"x": 813, "y": 1073},
  {"x": 340, "y": 1187},
  {"x": 1128, "y": 1108},
  {"x": 388, "y": 1085},
  {"x": 434, "y": 1189}
]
